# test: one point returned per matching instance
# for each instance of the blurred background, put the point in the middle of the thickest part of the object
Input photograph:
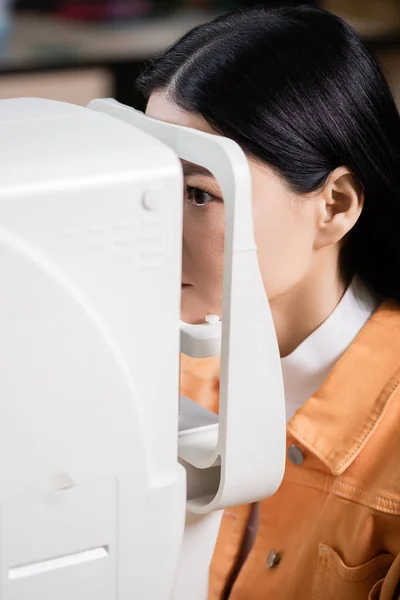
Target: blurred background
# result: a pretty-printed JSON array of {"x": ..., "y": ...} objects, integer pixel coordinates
[{"x": 75, "y": 50}]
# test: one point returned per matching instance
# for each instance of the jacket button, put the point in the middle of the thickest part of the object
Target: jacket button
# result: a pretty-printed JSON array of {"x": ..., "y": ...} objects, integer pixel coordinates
[
  {"x": 295, "y": 455},
  {"x": 273, "y": 559}
]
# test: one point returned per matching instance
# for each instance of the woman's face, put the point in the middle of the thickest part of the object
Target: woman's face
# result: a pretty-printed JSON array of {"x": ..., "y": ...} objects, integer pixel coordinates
[{"x": 284, "y": 224}]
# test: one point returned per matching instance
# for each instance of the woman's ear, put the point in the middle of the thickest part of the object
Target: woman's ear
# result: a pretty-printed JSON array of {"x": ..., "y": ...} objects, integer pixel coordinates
[{"x": 339, "y": 206}]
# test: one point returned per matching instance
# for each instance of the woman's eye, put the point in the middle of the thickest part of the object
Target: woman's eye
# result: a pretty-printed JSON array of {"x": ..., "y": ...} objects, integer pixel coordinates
[{"x": 198, "y": 197}]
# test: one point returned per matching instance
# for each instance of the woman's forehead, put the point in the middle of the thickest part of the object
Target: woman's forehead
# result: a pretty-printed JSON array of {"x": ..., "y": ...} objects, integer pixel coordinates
[{"x": 160, "y": 107}]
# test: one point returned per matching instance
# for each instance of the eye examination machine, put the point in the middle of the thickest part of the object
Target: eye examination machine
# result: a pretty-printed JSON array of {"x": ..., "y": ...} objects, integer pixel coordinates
[{"x": 112, "y": 486}]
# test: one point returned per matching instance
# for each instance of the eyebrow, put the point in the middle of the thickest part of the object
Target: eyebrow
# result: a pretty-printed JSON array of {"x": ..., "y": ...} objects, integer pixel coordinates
[{"x": 193, "y": 169}]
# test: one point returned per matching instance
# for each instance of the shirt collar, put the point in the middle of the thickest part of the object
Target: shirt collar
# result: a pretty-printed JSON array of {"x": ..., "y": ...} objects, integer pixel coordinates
[
  {"x": 305, "y": 369},
  {"x": 338, "y": 419}
]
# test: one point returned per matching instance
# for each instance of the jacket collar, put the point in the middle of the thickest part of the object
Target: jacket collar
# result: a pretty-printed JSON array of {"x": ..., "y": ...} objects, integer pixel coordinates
[{"x": 337, "y": 421}]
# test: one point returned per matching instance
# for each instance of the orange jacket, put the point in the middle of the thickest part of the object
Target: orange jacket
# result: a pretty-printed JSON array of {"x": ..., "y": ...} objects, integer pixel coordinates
[{"x": 332, "y": 530}]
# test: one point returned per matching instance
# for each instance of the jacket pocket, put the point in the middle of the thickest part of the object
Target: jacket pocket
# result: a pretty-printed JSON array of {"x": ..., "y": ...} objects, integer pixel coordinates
[
  {"x": 336, "y": 581},
  {"x": 389, "y": 587},
  {"x": 375, "y": 593}
]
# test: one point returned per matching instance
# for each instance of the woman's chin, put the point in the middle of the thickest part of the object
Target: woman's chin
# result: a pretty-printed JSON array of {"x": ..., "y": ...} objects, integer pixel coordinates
[
  {"x": 187, "y": 318},
  {"x": 193, "y": 309},
  {"x": 191, "y": 316}
]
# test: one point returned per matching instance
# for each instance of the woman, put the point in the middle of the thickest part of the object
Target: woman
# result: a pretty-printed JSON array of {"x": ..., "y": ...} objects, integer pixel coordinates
[{"x": 308, "y": 104}]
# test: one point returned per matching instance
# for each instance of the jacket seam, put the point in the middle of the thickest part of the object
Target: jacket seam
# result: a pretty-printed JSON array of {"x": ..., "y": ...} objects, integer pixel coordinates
[
  {"x": 358, "y": 489},
  {"x": 376, "y": 501},
  {"x": 335, "y": 490},
  {"x": 377, "y": 507}
]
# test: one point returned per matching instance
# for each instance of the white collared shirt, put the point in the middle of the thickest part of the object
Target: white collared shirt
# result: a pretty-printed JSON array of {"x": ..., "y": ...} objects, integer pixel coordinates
[{"x": 306, "y": 368}]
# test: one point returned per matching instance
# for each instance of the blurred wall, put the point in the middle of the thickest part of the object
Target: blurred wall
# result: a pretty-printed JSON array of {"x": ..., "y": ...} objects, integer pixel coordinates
[
  {"x": 74, "y": 60},
  {"x": 75, "y": 86}
]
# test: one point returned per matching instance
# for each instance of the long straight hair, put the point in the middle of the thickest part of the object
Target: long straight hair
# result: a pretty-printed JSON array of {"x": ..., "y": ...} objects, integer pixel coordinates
[{"x": 297, "y": 89}]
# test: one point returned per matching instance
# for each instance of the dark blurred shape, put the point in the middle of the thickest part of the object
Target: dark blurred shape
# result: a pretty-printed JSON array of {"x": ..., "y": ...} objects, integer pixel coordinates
[
  {"x": 45, "y": 5},
  {"x": 105, "y": 10},
  {"x": 122, "y": 9},
  {"x": 267, "y": 3}
]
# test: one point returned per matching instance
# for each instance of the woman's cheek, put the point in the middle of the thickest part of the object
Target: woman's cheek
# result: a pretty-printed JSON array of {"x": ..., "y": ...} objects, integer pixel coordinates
[
  {"x": 284, "y": 254},
  {"x": 203, "y": 257}
]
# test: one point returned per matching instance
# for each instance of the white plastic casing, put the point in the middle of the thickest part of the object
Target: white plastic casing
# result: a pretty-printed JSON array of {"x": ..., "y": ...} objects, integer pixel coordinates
[
  {"x": 201, "y": 341},
  {"x": 92, "y": 498},
  {"x": 241, "y": 458}
]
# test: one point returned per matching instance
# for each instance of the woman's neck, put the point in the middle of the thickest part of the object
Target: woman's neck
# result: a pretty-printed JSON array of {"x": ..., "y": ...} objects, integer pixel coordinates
[{"x": 305, "y": 307}]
